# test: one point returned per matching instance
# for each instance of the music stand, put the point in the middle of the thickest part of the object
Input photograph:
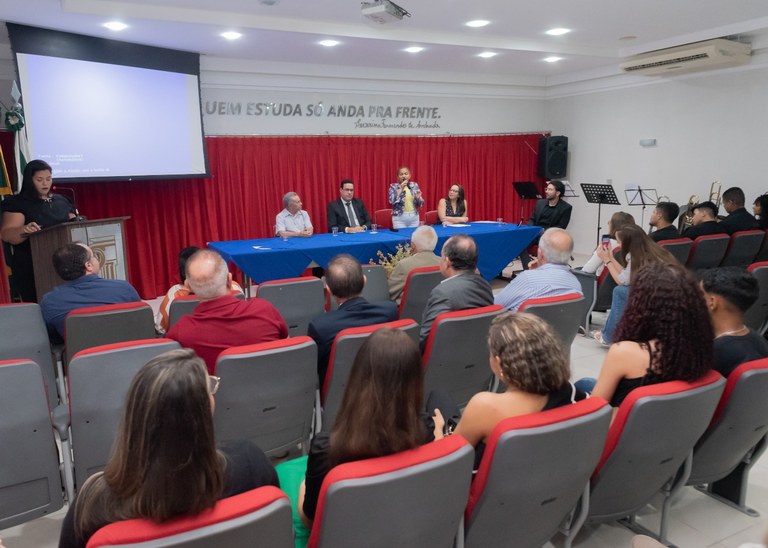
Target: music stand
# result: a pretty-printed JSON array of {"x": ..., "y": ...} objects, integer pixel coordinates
[
  {"x": 569, "y": 191},
  {"x": 599, "y": 194},
  {"x": 526, "y": 190},
  {"x": 641, "y": 197}
]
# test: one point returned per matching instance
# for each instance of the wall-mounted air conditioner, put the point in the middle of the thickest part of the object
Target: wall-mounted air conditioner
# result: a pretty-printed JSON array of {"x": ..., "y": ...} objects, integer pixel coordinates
[{"x": 711, "y": 54}]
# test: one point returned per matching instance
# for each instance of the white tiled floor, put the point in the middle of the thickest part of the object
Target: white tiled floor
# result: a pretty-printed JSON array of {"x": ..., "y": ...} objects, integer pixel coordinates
[{"x": 696, "y": 520}]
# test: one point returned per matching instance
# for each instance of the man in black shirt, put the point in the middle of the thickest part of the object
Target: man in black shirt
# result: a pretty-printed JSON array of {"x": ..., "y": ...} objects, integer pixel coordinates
[
  {"x": 729, "y": 292},
  {"x": 704, "y": 221},
  {"x": 550, "y": 211},
  {"x": 738, "y": 217},
  {"x": 662, "y": 219}
]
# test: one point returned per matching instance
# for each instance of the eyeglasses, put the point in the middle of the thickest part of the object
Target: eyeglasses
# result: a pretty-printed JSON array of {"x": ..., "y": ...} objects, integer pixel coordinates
[{"x": 213, "y": 384}]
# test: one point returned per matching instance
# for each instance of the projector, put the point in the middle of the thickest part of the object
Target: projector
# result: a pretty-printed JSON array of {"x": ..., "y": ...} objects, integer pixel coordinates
[{"x": 383, "y": 11}]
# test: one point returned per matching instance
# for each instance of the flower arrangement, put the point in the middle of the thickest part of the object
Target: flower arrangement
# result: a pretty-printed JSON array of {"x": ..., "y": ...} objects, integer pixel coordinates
[{"x": 389, "y": 261}]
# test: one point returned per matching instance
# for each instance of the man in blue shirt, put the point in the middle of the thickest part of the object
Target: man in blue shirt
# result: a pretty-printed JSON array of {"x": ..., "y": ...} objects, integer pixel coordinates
[
  {"x": 549, "y": 274},
  {"x": 82, "y": 287}
]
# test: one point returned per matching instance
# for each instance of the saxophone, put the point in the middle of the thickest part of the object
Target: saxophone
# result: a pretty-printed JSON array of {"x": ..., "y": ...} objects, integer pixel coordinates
[{"x": 686, "y": 219}]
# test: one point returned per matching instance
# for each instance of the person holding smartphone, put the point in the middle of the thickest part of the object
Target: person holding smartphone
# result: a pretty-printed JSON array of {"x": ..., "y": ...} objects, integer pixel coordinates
[{"x": 618, "y": 220}]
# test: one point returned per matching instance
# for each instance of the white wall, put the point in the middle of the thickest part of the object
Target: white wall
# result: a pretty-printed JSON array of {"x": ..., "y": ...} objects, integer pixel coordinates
[{"x": 712, "y": 126}]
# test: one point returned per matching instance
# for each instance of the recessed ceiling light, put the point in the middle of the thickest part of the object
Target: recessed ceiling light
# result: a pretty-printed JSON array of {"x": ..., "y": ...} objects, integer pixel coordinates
[
  {"x": 487, "y": 54},
  {"x": 553, "y": 59},
  {"x": 231, "y": 35},
  {"x": 414, "y": 49},
  {"x": 558, "y": 32},
  {"x": 629, "y": 37},
  {"x": 329, "y": 43},
  {"x": 116, "y": 25},
  {"x": 477, "y": 23}
]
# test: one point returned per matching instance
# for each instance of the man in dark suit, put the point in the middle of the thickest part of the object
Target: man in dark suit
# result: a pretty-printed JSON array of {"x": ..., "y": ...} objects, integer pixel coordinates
[
  {"x": 738, "y": 217},
  {"x": 463, "y": 287},
  {"x": 549, "y": 212},
  {"x": 344, "y": 278},
  {"x": 348, "y": 213},
  {"x": 704, "y": 221}
]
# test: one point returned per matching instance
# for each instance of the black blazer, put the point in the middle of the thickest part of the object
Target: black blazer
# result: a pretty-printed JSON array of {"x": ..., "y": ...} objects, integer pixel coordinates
[
  {"x": 560, "y": 215},
  {"x": 337, "y": 214}
]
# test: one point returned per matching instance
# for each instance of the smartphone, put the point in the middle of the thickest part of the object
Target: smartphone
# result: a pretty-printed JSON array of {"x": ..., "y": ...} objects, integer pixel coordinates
[{"x": 605, "y": 241}]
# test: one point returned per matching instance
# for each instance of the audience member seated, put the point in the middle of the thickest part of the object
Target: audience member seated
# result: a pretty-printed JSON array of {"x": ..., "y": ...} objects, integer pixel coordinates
[
  {"x": 549, "y": 274},
  {"x": 79, "y": 268},
  {"x": 528, "y": 358},
  {"x": 729, "y": 292},
  {"x": 462, "y": 288},
  {"x": 406, "y": 200},
  {"x": 423, "y": 242},
  {"x": 165, "y": 462},
  {"x": 179, "y": 290},
  {"x": 618, "y": 220},
  {"x": 345, "y": 280},
  {"x": 760, "y": 209},
  {"x": 664, "y": 335},
  {"x": 347, "y": 213},
  {"x": 662, "y": 219},
  {"x": 704, "y": 221},
  {"x": 453, "y": 208},
  {"x": 221, "y": 320},
  {"x": 637, "y": 250},
  {"x": 293, "y": 221},
  {"x": 549, "y": 212},
  {"x": 738, "y": 217},
  {"x": 381, "y": 413}
]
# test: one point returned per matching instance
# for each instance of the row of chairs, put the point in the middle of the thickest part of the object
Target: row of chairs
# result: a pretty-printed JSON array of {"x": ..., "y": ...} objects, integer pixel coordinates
[
  {"x": 540, "y": 474},
  {"x": 710, "y": 251}
]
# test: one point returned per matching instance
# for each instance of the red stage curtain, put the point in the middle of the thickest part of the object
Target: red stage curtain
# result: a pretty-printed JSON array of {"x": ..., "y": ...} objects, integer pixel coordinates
[
  {"x": 6, "y": 143},
  {"x": 249, "y": 176}
]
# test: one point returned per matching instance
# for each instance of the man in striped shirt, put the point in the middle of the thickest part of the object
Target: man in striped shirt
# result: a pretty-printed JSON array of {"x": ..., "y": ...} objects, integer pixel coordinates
[{"x": 549, "y": 274}]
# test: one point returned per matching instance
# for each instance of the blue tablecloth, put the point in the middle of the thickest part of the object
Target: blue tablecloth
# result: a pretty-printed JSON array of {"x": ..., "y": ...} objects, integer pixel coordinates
[{"x": 274, "y": 259}]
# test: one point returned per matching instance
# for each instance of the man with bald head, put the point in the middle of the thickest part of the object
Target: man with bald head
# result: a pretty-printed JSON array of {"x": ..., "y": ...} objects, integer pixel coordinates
[
  {"x": 462, "y": 288},
  {"x": 549, "y": 274},
  {"x": 221, "y": 320}
]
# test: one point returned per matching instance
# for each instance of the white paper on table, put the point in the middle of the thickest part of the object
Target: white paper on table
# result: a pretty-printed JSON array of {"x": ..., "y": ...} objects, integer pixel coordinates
[{"x": 457, "y": 225}]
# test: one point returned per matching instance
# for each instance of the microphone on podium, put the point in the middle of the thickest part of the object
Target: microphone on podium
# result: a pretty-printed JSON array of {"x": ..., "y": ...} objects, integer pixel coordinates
[{"x": 58, "y": 190}]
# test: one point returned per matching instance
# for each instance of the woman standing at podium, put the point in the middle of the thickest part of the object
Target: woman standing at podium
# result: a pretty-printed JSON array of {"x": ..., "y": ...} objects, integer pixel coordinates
[{"x": 35, "y": 207}]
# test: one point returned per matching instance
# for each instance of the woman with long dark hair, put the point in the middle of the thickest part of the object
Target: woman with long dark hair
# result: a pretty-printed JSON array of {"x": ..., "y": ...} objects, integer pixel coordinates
[
  {"x": 665, "y": 334},
  {"x": 453, "y": 208},
  {"x": 165, "y": 462},
  {"x": 760, "y": 209},
  {"x": 381, "y": 412},
  {"x": 35, "y": 207}
]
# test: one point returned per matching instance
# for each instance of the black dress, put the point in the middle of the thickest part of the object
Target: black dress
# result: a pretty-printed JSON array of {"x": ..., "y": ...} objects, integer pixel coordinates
[{"x": 45, "y": 213}]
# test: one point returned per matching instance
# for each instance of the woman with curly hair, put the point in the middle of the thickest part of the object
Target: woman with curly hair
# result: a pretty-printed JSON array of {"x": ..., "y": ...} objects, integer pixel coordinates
[
  {"x": 664, "y": 335},
  {"x": 527, "y": 356}
]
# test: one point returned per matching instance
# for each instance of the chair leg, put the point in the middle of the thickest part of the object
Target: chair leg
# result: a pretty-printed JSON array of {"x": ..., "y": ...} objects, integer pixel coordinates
[
  {"x": 577, "y": 518},
  {"x": 68, "y": 470},
  {"x": 672, "y": 488},
  {"x": 318, "y": 414}
]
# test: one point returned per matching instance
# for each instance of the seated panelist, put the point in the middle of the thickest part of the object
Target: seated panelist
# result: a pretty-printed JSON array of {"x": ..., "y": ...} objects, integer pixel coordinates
[
  {"x": 293, "y": 221},
  {"x": 453, "y": 208},
  {"x": 348, "y": 213}
]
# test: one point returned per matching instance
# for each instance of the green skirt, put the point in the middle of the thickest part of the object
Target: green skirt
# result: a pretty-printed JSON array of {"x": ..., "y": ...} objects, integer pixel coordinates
[{"x": 291, "y": 474}]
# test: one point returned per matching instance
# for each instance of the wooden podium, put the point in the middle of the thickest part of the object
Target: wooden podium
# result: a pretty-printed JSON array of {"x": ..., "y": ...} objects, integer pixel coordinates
[{"x": 106, "y": 237}]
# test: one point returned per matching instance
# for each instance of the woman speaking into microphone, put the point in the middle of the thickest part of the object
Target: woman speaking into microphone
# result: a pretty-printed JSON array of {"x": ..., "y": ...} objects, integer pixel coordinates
[
  {"x": 35, "y": 207},
  {"x": 406, "y": 200}
]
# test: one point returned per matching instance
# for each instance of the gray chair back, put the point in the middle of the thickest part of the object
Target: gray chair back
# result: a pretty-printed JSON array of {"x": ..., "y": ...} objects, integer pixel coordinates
[
  {"x": 588, "y": 283},
  {"x": 111, "y": 323},
  {"x": 98, "y": 383},
  {"x": 632, "y": 470},
  {"x": 30, "y": 481},
  {"x": 418, "y": 286},
  {"x": 680, "y": 248},
  {"x": 267, "y": 393},
  {"x": 756, "y": 317},
  {"x": 376, "y": 288},
  {"x": 743, "y": 248},
  {"x": 534, "y": 470},
  {"x": 563, "y": 313},
  {"x": 181, "y": 307},
  {"x": 345, "y": 347},
  {"x": 455, "y": 357},
  {"x": 409, "y": 500},
  {"x": 263, "y": 514},
  {"x": 708, "y": 251},
  {"x": 26, "y": 337},
  {"x": 298, "y": 300}
]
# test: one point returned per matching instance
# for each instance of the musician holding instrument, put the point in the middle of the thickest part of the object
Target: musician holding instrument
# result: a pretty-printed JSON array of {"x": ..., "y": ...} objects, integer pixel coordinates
[{"x": 704, "y": 221}]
